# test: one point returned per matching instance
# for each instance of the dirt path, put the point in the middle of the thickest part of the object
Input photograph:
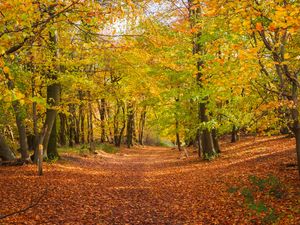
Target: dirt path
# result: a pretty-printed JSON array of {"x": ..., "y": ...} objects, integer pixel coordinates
[{"x": 146, "y": 186}]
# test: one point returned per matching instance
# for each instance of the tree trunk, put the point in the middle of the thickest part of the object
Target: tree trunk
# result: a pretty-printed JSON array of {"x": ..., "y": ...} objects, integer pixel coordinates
[
  {"x": 5, "y": 152},
  {"x": 110, "y": 135},
  {"x": 123, "y": 127},
  {"x": 77, "y": 129},
  {"x": 234, "y": 134},
  {"x": 134, "y": 124},
  {"x": 297, "y": 137},
  {"x": 207, "y": 140},
  {"x": 91, "y": 127},
  {"x": 62, "y": 129},
  {"x": 178, "y": 142},
  {"x": 215, "y": 141},
  {"x": 53, "y": 91},
  {"x": 82, "y": 138},
  {"x": 199, "y": 143},
  {"x": 82, "y": 118},
  {"x": 296, "y": 125},
  {"x": 130, "y": 125},
  {"x": 102, "y": 118},
  {"x": 142, "y": 126},
  {"x": 19, "y": 111},
  {"x": 116, "y": 126},
  {"x": 19, "y": 114},
  {"x": 35, "y": 120},
  {"x": 71, "y": 126},
  {"x": 118, "y": 133},
  {"x": 77, "y": 122},
  {"x": 52, "y": 152}
]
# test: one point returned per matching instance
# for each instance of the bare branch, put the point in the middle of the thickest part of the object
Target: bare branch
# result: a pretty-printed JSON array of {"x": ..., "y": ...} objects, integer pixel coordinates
[{"x": 32, "y": 204}]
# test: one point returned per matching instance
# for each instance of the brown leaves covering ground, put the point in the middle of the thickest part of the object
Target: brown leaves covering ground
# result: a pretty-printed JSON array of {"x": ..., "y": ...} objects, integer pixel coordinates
[{"x": 150, "y": 185}]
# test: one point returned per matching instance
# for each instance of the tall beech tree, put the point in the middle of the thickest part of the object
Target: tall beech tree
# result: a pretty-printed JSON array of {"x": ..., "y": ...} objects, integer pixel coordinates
[{"x": 207, "y": 142}]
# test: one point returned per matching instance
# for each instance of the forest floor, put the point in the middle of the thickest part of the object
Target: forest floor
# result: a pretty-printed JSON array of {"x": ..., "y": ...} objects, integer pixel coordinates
[{"x": 152, "y": 185}]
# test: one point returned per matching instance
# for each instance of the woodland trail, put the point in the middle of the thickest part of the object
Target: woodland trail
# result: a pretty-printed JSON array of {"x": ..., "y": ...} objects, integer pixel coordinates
[{"x": 148, "y": 185}]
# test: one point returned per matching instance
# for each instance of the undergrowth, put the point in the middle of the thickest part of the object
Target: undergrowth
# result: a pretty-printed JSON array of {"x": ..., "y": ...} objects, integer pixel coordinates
[{"x": 256, "y": 195}]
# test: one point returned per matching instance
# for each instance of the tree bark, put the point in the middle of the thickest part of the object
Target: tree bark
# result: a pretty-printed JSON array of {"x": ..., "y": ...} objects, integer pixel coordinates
[
  {"x": 6, "y": 154},
  {"x": 53, "y": 91},
  {"x": 207, "y": 140},
  {"x": 123, "y": 127},
  {"x": 62, "y": 129},
  {"x": 116, "y": 127},
  {"x": 178, "y": 142},
  {"x": 142, "y": 126},
  {"x": 52, "y": 152},
  {"x": 19, "y": 111},
  {"x": 35, "y": 121},
  {"x": 109, "y": 124},
  {"x": 19, "y": 115},
  {"x": 297, "y": 137},
  {"x": 82, "y": 118},
  {"x": 91, "y": 126},
  {"x": 206, "y": 137},
  {"x": 215, "y": 141},
  {"x": 72, "y": 125},
  {"x": 130, "y": 125},
  {"x": 199, "y": 143},
  {"x": 296, "y": 124},
  {"x": 102, "y": 118},
  {"x": 234, "y": 137},
  {"x": 82, "y": 133},
  {"x": 118, "y": 132},
  {"x": 77, "y": 129}
]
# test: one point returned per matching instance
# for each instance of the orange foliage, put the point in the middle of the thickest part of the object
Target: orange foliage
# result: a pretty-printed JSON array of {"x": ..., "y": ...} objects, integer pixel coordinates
[{"x": 152, "y": 186}]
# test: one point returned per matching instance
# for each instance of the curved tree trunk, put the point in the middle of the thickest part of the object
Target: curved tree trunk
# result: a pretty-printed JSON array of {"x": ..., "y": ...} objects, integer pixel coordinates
[
  {"x": 22, "y": 131},
  {"x": 20, "y": 123},
  {"x": 53, "y": 100},
  {"x": 53, "y": 95}
]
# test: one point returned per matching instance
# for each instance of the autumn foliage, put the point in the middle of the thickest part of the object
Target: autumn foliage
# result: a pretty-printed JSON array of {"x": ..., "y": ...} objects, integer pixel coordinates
[
  {"x": 151, "y": 185},
  {"x": 184, "y": 74}
]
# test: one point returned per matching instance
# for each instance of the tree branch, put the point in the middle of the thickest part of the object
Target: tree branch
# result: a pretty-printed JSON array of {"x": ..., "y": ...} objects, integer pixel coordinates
[{"x": 32, "y": 204}]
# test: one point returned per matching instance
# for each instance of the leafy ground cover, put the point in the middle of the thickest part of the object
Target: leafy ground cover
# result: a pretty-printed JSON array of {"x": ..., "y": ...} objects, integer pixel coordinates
[{"x": 250, "y": 183}]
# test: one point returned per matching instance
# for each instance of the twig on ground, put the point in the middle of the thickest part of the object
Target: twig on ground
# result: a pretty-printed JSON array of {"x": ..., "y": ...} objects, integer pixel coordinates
[{"x": 33, "y": 204}]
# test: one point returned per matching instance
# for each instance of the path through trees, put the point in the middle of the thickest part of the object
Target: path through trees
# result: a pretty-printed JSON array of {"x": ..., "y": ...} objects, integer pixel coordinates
[{"x": 151, "y": 185}]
